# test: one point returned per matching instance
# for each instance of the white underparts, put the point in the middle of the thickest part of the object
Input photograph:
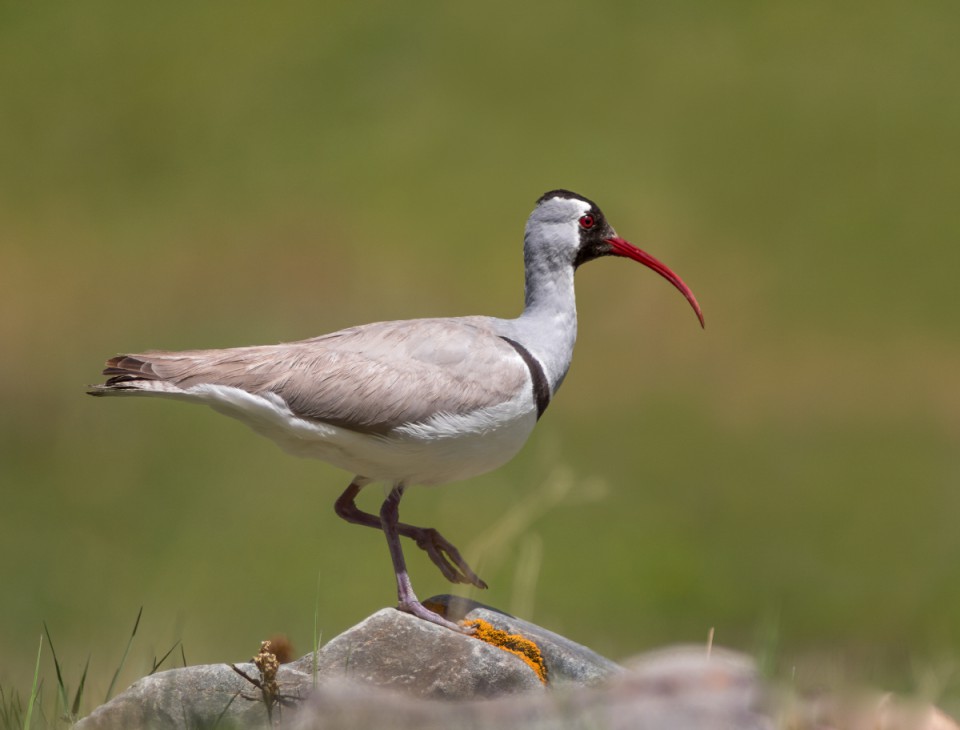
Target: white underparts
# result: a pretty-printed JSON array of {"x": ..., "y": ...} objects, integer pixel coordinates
[{"x": 444, "y": 448}]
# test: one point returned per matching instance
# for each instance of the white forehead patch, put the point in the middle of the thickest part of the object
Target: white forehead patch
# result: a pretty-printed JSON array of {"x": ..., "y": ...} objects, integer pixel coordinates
[{"x": 560, "y": 210}]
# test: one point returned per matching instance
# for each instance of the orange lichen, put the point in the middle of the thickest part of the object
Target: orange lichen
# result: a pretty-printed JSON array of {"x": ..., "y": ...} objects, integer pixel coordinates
[{"x": 514, "y": 643}]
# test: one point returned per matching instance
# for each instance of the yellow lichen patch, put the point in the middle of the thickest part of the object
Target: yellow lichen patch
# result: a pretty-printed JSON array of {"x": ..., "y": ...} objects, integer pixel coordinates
[{"x": 514, "y": 643}]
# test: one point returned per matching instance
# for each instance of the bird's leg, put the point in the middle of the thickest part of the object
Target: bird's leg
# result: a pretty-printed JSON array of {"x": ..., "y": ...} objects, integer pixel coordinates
[
  {"x": 406, "y": 598},
  {"x": 440, "y": 550},
  {"x": 346, "y": 507}
]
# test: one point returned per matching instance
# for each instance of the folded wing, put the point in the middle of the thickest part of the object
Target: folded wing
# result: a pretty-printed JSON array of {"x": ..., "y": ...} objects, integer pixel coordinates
[{"x": 370, "y": 379}]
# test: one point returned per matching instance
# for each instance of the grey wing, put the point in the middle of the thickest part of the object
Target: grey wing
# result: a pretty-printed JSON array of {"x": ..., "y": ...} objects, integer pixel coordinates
[
  {"x": 379, "y": 377},
  {"x": 371, "y": 379}
]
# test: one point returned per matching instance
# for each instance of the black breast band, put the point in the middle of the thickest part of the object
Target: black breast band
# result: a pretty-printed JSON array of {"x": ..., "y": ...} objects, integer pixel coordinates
[{"x": 541, "y": 387}]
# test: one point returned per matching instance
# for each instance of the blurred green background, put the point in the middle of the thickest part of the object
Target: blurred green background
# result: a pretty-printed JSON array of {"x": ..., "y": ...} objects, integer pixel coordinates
[{"x": 184, "y": 175}]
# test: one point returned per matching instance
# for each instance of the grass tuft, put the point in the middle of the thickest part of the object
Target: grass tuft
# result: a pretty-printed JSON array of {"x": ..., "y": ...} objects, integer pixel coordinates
[
  {"x": 61, "y": 685},
  {"x": 70, "y": 710},
  {"x": 64, "y": 707},
  {"x": 11, "y": 711}
]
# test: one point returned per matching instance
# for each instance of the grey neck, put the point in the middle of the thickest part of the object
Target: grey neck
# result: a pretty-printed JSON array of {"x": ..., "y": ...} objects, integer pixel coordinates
[{"x": 548, "y": 325}]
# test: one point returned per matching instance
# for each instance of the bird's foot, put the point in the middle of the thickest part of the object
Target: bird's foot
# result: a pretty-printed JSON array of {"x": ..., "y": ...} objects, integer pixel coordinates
[
  {"x": 420, "y": 611},
  {"x": 445, "y": 556}
]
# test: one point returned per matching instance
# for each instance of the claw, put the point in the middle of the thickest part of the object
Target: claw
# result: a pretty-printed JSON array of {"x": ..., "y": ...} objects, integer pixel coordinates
[{"x": 445, "y": 556}]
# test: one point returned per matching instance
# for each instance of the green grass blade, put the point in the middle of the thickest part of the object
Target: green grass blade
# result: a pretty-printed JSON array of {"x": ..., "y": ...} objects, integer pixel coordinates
[
  {"x": 158, "y": 663},
  {"x": 123, "y": 659},
  {"x": 317, "y": 637},
  {"x": 34, "y": 688},
  {"x": 75, "y": 707},
  {"x": 223, "y": 712},
  {"x": 61, "y": 687}
]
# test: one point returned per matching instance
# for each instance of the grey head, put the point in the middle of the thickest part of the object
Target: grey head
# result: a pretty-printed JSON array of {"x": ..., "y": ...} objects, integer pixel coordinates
[{"x": 567, "y": 229}]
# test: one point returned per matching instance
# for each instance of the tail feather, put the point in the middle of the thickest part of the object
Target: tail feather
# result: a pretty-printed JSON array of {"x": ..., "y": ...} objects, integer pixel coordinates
[
  {"x": 126, "y": 373},
  {"x": 129, "y": 367}
]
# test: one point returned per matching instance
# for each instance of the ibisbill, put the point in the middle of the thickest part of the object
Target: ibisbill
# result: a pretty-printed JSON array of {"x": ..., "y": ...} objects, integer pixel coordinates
[{"x": 411, "y": 402}]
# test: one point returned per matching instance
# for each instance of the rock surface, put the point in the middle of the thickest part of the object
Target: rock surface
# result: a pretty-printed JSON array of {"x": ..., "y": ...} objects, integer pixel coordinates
[
  {"x": 193, "y": 697},
  {"x": 394, "y": 670},
  {"x": 394, "y": 650}
]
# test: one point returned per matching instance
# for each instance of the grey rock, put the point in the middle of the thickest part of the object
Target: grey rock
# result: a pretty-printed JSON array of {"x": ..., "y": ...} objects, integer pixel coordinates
[
  {"x": 392, "y": 649},
  {"x": 193, "y": 697}
]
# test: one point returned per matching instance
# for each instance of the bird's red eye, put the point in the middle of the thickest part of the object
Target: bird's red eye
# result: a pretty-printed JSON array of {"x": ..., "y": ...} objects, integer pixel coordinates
[{"x": 587, "y": 221}]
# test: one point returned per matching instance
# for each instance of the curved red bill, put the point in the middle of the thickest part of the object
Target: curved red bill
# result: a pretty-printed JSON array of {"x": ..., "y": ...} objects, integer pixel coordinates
[{"x": 627, "y": 249}]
